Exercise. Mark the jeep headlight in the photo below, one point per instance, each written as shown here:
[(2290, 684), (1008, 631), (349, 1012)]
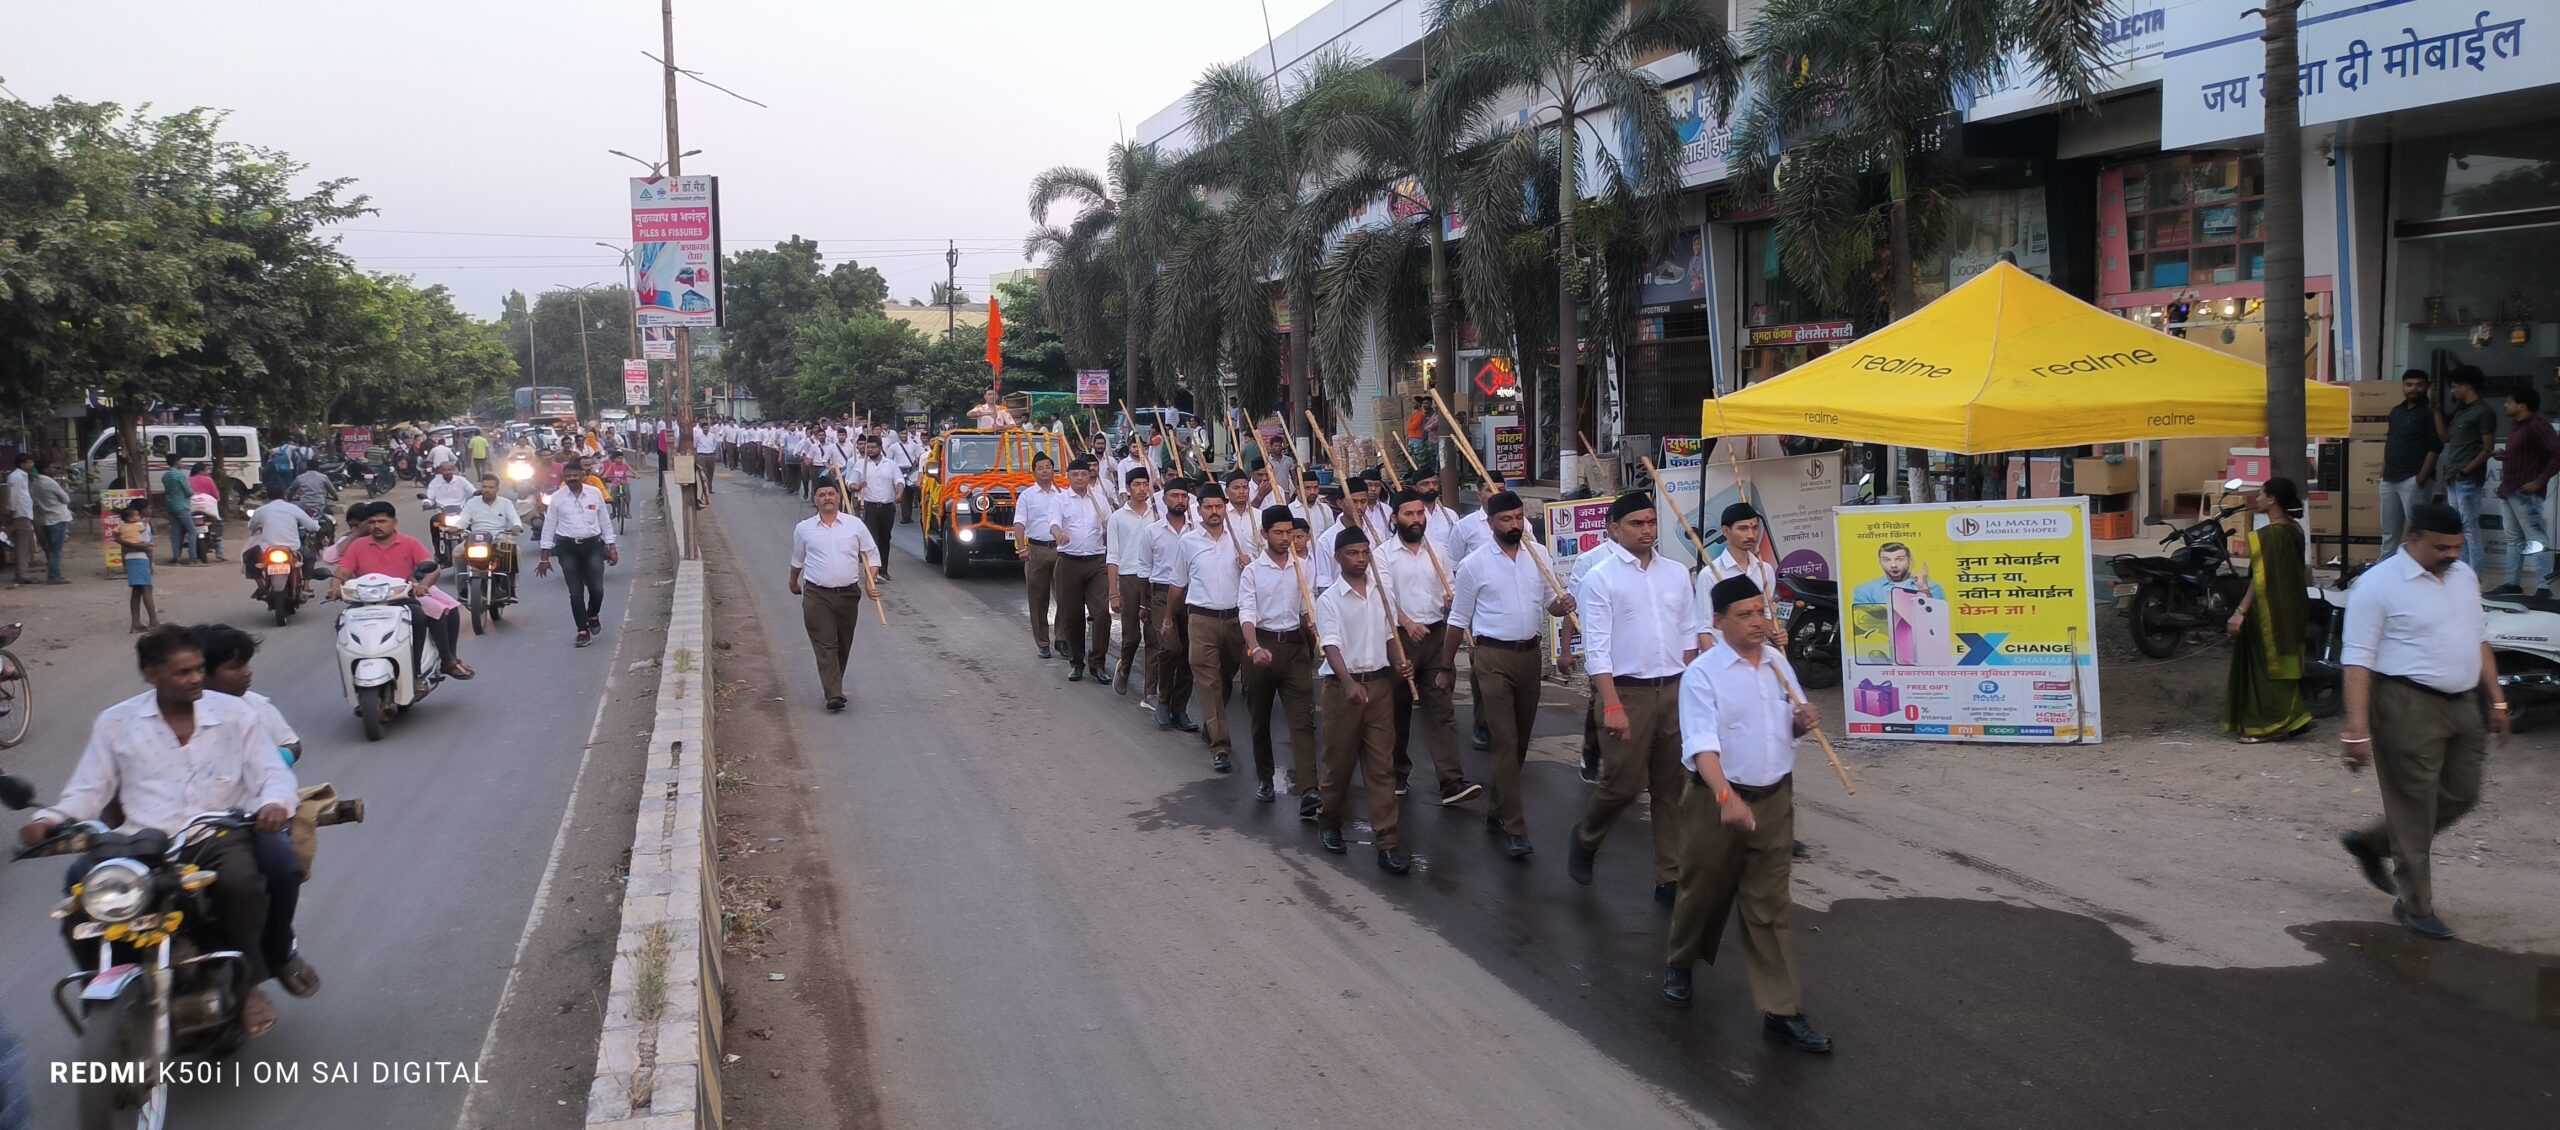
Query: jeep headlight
[(115, 890)]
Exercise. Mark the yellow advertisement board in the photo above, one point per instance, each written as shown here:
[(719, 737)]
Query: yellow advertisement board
[(1969, 621)]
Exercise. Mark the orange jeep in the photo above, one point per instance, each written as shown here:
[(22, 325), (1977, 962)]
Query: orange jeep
[(967, 485)]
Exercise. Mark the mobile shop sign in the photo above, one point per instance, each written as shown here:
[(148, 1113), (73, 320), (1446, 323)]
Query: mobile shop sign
[(1093, 386), (1573, 529), (1794, 495), (675, 251), (657, 343), (1969, 621), (2357, 60), (635, 381)]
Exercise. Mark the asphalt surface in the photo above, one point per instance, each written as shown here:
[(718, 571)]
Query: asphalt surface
[(413, 917), (1057, 915)]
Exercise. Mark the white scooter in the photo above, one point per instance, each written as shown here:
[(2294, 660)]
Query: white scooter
[(374, 660), (2524, 633)]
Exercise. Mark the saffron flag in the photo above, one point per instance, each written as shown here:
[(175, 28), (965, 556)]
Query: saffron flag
[(995, 338)]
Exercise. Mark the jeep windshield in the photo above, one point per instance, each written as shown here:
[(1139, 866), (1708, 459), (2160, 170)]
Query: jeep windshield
[(971, 455)]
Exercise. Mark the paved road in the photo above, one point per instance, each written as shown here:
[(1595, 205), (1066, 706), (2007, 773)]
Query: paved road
[(413, 917), (1058, 916)]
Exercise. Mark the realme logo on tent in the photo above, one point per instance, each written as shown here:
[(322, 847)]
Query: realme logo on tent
[(2173, 420), (1912, 366), (2100, 362)]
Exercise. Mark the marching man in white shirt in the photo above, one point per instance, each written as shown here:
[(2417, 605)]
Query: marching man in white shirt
[(1035, 518), (1738, 729), (706, 458), (874, 480), (1280, 656), (1639, 630), (1502, 598), (1208, 569), (1125, 564), (1418, 593), (1080, 523), (1169, 633), (828, 552), (1743, 529), (1367, 660)]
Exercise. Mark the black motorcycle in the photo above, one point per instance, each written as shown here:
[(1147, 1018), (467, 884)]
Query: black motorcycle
[(280, 581), (2193, 587), (1809, 609)]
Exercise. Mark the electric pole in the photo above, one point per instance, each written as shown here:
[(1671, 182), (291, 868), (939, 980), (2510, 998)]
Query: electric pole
[(951, 290), (682, 394)]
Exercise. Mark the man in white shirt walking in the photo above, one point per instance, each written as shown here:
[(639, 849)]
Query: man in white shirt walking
[(1125, 563), (2417, 667), (706, 459), (579, 527), (22, 515), (1738, 725), (874, 480), (828, 552), (1502, 597), (1208, 569), (1169, 629), (1280, 654), (1418, 594), (1361, 648), (1035, 519), (1639, 631), (1080, 524)]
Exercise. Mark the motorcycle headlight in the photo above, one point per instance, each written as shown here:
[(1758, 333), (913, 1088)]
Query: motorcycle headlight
[(115, 890), (477, 553), (520, 472), (452, 521)]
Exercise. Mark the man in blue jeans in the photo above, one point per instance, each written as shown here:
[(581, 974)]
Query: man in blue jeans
[(2409, 453), (2532, 455), (2468, 434)]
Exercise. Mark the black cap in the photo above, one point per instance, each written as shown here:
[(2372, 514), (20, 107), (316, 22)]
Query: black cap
[(1136, 474), (1732, 590), (1350, 536), (1407, 496), (1277, 516), (1629, 503), (1504, 501)]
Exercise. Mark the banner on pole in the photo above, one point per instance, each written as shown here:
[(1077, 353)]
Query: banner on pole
[(675, 251), (1970, 621), (1093, 386), (635, 381), (657, 343), (1794, 496)]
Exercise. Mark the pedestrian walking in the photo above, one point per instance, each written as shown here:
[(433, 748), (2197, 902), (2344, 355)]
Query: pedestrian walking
[(1080, 524), (1280, 659), (1125, 560), (479, 448), (1035, 520), (2262, 700), (1361, 649), (177, 504), (1739, 719), (829, 551), (1501, 598), (1417, 586), (1639, 631), (873, 480), (2527, 462), (22, 514), (578, 526), (1169, 637), (706, 459), (2418, 669), (1208, 572), (53, 513), (133, 542), (2468, 434)]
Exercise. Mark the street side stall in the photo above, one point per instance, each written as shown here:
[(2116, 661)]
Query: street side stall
[(1976, 621)]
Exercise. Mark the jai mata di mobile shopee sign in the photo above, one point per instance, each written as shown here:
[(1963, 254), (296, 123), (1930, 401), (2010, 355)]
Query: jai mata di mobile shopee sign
[(675, 251)]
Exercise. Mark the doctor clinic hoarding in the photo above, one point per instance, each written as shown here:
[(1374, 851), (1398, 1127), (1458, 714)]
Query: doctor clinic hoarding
[(675, 251), (1969, 621)]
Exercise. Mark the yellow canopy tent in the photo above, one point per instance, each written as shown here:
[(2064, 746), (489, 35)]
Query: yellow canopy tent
[(2008, 363)]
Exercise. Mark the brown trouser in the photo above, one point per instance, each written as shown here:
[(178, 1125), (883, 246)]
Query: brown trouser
[(703, 466), (1361, 736), (1723, 867), (22, 539), (1083, 600), (2428, 753), (791, 474), (1135, 623), (1217, 652), (831, 615), (1040, 572), (1292, 676), (1168, 653), (1509, 681), (1648, 761), (1439, 711)]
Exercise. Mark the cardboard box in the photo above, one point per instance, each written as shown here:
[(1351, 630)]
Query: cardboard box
[(2369, 405), (2250, 465), (2352, 512), (2098, 476)]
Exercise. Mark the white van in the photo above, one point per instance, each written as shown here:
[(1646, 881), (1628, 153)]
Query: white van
[(241, 452)]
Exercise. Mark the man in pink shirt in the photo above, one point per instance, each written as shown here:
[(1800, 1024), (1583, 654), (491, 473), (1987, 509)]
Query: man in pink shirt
[(380, 547)]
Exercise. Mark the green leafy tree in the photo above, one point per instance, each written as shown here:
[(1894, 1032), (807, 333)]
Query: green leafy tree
[(768, 292), (1107, 259)]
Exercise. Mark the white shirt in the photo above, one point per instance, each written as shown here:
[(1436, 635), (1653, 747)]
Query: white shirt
[(1440, 524), (278, 730), (1267, 597), (443, 491), (1129, 543), (1035, 508), (1760, 571), (1638, 620), (1413, 582), (1470, 534), (873, 480), (832, 556), (1209, 569), (22, 500), (1502, 596), (278, 523), (1356, 622), (1321, 565), (576, 515), (441, 455), (500, 517), (134, 757), (1741, 714), (2405, 621), (1081, 518), (1164, 547), (706, 440)]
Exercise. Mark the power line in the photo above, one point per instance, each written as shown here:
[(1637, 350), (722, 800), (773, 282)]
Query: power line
[(1013, 240)]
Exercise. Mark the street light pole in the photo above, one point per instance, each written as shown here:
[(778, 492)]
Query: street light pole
[(683, 392)]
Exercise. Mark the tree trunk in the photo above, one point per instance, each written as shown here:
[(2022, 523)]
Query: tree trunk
[(2286, 332), (1444, 348), (1899, 290), (1129, 342), (1302, 326), (135, 455), (1568, 324)]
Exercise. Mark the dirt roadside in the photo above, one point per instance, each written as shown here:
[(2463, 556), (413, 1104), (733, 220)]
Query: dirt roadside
[(795, 1030)]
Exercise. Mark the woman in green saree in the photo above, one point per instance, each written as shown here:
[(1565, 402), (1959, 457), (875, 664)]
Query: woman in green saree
[(2263, 701)]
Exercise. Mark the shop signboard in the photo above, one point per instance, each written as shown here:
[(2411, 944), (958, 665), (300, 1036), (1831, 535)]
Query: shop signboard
[(1093, 386), (675, 251), (1803, 333), (1511, 451), (1706, 141), (1794, 495), (2133, 35), (657, 343), (1683, 451), (355, 443), (2358, 60), (1679, 278), (1573, 529), (635, 381), (111, 504), (1969, 621)]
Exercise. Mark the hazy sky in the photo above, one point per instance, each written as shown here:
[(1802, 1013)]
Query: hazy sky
[(892, 127)]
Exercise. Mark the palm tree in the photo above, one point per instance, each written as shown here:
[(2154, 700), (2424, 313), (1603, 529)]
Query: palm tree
[(2287, 427), (1105, 259), (1567, 58)]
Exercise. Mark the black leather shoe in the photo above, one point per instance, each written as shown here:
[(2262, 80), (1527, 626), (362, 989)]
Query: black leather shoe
[(1331, 839), (2370, 860), (1577, 858), (1517, 847), (1262, 792), (835, 704), (1394, 861), (1795, 1033), (1666, 893), (1590, 770), (1483, 741), (1310, 806), (1800, 851), (1102, 675), (1493, 824), (1222, 764), (1675, 986), (1044, 651), (2423, 925), (1076, 674), (1404, 783), (1185, 724), (1164, 719)]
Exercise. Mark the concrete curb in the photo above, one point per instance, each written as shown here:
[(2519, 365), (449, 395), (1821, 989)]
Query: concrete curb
[(658, 1059)]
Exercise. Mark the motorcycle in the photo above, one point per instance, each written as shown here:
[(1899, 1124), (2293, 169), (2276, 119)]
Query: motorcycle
[(160, 989), (447, 531), (2324, 624), (519, 483), (280, 581), (1809, 609), (379, 481), (374, 651), (2194, 586), (2524, 635), (481, 585)]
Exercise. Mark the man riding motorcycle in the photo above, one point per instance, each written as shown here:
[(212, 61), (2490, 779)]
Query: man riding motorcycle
[(378, 546), (495, 514), (311, 491), (279, 522), (169, 754)]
